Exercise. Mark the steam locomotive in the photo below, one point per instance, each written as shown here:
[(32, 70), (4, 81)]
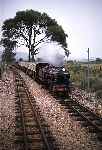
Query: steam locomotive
[(56, 79)]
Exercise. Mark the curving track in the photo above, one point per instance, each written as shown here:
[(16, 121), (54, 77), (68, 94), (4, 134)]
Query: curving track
[(32, 132), (86, 117)]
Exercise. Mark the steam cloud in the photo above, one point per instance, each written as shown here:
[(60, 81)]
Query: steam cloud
[(52, 53)]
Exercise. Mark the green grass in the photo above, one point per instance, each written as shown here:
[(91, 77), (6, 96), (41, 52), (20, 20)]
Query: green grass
[(79, 75)]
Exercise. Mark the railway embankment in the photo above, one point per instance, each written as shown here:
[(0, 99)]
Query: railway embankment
[(88, 100), (7, 111)]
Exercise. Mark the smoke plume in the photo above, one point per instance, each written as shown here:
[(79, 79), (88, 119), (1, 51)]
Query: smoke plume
[(52, 53)]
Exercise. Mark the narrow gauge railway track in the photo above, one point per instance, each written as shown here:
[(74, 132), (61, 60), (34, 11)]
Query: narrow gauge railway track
[(32, 132), (86, 117)]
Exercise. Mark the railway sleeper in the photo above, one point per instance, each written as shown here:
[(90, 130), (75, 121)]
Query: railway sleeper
[(74, 114), (28, 113), (32, 128), (62, 103), (31, 124), (17, 111), (87, 115), (90, 118), (72, 104), (37, 147), (23, 96), (97, 122), (26, 107), (19, 146), (17, 103), (29, 119), (34, 138), (18, 124), (18, 115), (43, 124), (78, 118), (92, 129), (71, 111), (19, 140), (29, 116), (47, 132), (32, 133), (85, 123), (68, 107), (19, 85), (19, 133), (30, 139), (50, 138), (99, 136), (80, 109), (17, 96), (18, 118)]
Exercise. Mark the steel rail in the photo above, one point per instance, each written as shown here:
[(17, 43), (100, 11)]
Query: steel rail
[(23, 122), (37, 118), (35, 115), (91, 118)]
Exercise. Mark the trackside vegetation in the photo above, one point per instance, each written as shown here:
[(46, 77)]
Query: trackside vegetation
[(79, 76)]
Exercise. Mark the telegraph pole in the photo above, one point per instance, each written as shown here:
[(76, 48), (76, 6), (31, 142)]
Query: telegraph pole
[(88, 72)]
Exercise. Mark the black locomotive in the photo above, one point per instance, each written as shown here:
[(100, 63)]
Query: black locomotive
[(56, 79)]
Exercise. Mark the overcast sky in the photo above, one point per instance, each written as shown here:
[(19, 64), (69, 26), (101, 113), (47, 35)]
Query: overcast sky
[(81, 20)]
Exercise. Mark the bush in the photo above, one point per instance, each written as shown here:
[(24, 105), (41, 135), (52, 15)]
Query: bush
[(97, 85), (99, 94)]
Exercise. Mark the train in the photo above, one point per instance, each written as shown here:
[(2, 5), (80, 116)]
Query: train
[(56, 79)]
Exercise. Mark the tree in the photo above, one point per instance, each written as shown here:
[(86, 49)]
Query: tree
[(99, 93), (20, 59), (8, 55), (32, 29), (98, 60)]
